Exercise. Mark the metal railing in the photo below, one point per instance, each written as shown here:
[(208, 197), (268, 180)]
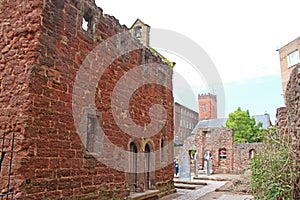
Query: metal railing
[(6, 158)]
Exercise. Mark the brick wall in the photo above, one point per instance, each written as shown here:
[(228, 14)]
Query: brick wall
[(43, 46), (207, 104), (281, 119), (19, 34), (292, 111), (214, 140), (286, 70), (243, 153)]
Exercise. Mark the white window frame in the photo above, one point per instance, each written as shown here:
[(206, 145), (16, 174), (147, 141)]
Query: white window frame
[(293, 58)]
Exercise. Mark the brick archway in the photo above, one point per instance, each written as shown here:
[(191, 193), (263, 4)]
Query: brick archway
[(133, 163), (149, 163)]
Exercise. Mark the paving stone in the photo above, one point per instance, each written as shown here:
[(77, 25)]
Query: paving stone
[(194, 195), (236, 197)]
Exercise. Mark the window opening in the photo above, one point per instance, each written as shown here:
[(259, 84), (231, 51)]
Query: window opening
[(138, 32), (223, 154)]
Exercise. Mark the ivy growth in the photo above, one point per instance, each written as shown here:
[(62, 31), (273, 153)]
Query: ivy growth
[(274, 171)]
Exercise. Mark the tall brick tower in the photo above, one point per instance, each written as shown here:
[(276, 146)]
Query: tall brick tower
[(207, 104)]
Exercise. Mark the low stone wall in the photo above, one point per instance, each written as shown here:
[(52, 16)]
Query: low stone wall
[(243, 153)]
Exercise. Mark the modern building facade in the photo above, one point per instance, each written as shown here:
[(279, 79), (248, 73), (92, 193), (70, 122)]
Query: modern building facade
[(289, 56), (185, 121)]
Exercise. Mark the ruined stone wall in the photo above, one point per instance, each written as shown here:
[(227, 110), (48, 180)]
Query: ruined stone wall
[(293, 112), (19, 34), (214, 140), (281, 119), (243, 155), (43, 47)]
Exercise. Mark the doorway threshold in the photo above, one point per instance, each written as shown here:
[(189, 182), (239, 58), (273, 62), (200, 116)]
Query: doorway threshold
[(147, 194)]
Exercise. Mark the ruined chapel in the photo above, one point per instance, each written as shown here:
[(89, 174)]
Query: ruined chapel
[(73, 123)]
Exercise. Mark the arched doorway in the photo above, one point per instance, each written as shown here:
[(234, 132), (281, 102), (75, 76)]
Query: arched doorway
[(252, 153), (147, 164), (132, 178)]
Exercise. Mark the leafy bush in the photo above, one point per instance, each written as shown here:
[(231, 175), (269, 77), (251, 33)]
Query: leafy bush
[(274, 174)]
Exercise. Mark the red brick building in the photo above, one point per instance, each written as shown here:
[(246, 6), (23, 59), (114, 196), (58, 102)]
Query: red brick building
[(43, 47), (227, 156), (207, 104)]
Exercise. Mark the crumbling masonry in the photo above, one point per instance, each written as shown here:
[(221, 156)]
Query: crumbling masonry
[(43, 45), (288, 117)]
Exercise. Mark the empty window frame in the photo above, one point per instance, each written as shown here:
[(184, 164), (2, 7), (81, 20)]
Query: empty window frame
[(293, 58)]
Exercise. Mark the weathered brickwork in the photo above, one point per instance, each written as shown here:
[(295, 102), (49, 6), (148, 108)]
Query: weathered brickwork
[(243, 153), (281, 119), (214, 140), (293, 111), (227, 156), (207, 105), (285, 64), (42, 47)]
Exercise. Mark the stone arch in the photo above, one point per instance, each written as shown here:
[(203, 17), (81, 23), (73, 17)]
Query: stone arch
[(252, 153), (164, 150), (133, 164), (147, 141), (149, 164), (138, 143)]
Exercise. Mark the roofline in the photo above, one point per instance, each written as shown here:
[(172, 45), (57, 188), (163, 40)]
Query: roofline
[(186, 107), (279, 49), (140, 21)]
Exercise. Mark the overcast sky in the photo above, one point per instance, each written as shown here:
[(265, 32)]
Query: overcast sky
[(240, 37)]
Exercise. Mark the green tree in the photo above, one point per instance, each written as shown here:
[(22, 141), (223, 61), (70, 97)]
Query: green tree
[(244, 126)]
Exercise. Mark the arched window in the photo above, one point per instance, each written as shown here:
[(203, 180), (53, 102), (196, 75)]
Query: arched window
[(252, 153), (222, 154), (133, 167), (138, 32), (148, 162), (162, 151)]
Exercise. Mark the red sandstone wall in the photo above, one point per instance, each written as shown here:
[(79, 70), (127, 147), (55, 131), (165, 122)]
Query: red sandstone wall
[(242, 156), (213, 140), (43, 46), (292, 111), (19, 33)]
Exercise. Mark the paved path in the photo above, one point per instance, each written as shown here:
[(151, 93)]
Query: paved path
[(194, 195), (235, 197)]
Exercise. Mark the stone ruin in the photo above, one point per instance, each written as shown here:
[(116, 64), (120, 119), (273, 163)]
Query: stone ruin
[(46, 153)]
